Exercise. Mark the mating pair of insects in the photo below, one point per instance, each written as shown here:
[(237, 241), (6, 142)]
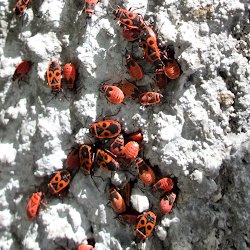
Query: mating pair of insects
[(55, 74)]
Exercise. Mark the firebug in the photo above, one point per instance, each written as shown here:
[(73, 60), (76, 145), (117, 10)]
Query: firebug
[(149, 44), (125, 191), (54, 74), (172, 69), (164, 185), (135, 136), (146, 174), (105, 129), (129, 18), (145, 226), (149, 98), (73, 160), (115, 145), (134, 68), (59, 182), (69, 73), (106, 161), (129, 152), (160, 78), (33, 205), (167, 203), (86, 158), (21, 70), (131, 34), (89, 7), (129, 89), (113, 94), (117, 201), (20, 7), (85, 247)]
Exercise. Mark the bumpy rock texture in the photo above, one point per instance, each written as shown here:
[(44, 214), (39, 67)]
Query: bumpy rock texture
[(200, 134)]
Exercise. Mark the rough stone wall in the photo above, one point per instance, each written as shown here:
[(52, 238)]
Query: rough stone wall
[(200, 134)]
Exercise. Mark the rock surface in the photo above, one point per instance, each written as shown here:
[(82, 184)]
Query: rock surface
[(201, 134)]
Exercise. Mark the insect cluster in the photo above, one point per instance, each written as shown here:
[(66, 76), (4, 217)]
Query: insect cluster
[(162, 56), (56, 76), (116, 94), (134, 28), (113, 150)]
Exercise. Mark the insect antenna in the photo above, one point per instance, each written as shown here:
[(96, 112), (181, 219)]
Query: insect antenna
[(138, 8), (95, 182), (80, 88), (102, 84), (54, 96), (119, 109), (65, 96), (111, 6), (164, 100)]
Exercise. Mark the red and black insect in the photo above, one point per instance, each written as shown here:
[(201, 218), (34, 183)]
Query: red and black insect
[(160, 77), (73, 160), (165, 184), (146, 174), (106, 161), (105, 129), (129, 18), (125, 191), (59, 182), (167, 52), (54, 75), (150, 46), (21, 70), (33, 204), (167, 202), (145, 226), (129, 89), (117, 201), (113, 94), (85, 247), (129, 153), (20, 7), (149, 32), (172, 69), (135, 136), (134, 68), (131, 219), (81, 246), (116, 145), (149, 98), (69, 73), (89, 7), (131, 34), (86, 158)]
